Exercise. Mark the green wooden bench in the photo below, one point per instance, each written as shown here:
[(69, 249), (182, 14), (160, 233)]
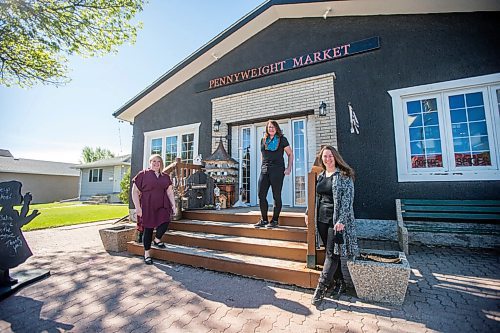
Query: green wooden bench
[(419, 215)]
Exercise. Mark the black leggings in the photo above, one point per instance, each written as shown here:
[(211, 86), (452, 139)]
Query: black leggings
[(148, 235), (332, 268), (274, 179)]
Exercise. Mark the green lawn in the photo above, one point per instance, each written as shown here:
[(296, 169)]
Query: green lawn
[(60, 214)]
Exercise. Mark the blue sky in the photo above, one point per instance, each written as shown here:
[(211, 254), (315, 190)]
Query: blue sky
[(55, 123)]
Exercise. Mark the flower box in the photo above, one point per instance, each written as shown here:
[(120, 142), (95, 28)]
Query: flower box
[(115, 239), (380, 276)]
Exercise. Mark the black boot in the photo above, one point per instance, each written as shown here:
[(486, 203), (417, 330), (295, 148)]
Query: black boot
[(338, 290), (331, 287), (319, 294)]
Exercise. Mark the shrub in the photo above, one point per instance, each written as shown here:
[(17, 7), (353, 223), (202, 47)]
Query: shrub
[(125, 186)]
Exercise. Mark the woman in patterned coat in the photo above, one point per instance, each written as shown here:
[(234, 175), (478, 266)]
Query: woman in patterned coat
[(334, 220)]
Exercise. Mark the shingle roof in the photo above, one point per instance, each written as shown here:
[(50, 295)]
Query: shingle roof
[(37, 167), (119, 160)]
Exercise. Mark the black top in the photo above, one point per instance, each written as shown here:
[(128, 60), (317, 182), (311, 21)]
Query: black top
[(324, 190), (274, 158)]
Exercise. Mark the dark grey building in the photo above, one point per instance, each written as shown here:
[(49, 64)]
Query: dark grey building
[(422, 79)]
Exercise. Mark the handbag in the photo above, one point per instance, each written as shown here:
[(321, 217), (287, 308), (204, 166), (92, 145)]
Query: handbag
[(338, 237)]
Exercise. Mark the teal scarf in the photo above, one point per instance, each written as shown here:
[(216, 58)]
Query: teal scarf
[(273, 144)]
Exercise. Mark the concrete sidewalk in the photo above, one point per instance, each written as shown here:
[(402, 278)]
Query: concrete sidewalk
[(90, 290)]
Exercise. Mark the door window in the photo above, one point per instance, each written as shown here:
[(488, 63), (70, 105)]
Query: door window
[(299, 165)]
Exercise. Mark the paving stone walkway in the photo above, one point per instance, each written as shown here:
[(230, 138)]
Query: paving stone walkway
[(90, 290)]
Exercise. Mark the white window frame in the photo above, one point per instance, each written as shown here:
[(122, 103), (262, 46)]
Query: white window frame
[(173, 131), (91, 175), (488, 85)]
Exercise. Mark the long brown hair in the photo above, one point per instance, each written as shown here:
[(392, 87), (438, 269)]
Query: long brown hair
[(279, 132), (345, 169)]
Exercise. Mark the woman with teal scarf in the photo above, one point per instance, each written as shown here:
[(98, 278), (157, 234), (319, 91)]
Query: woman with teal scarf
[(273, 171)]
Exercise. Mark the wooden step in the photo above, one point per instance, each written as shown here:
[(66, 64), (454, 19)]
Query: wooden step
[(278, 270), (278, 249), (286, 218), (297, 234)]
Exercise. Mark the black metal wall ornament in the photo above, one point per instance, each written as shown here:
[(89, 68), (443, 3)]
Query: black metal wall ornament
[(14, 249)]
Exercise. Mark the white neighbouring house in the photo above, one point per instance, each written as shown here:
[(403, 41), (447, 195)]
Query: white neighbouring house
[(102, 177)]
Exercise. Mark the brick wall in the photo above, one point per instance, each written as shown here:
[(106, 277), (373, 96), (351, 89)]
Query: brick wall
[(282, 99)]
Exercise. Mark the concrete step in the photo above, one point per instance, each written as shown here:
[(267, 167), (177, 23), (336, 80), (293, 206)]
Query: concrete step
[(96, 200), (297, 234), (278, 249), (286, 218), (277, 270)]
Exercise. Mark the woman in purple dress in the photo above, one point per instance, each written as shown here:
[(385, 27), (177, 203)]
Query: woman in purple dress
[(154, 203)]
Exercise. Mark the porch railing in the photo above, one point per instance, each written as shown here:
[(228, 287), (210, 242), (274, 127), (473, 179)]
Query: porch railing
[(179, 172), (311, 216)]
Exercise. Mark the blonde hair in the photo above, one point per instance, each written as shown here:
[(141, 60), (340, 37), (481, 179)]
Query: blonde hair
[(345, 169), (152, 157)]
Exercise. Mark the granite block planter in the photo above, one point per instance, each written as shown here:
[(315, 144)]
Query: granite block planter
[(379, 281), (115, 239)]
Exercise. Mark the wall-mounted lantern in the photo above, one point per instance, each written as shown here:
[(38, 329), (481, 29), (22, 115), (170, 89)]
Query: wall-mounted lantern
[(322, 109), (217, 125)]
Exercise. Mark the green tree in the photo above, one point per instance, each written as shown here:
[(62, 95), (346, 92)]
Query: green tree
[(125, 187), (37, 36), (95, 154)]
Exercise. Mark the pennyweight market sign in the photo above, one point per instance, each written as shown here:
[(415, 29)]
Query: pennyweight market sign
[(333, 53)]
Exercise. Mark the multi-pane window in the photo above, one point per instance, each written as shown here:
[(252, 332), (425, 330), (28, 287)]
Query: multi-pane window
[(170, 149), (156, 146), (245, 165), (425, 140), (173, 149), (448, 131), (95, 175), (187, 148), (172, 143), (469, 130), (299, 153)]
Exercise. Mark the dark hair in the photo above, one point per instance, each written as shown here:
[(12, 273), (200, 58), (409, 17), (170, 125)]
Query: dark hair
[(345, 169), (279, 133)]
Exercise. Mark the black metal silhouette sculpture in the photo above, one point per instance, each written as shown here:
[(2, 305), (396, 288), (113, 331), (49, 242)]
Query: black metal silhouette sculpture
[(13, 247)]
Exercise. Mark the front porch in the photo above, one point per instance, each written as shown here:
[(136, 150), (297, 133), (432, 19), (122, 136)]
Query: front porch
[(227, 241)]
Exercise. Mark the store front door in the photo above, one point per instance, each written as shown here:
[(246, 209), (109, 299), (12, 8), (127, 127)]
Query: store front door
[(294, 185), (286, 196)]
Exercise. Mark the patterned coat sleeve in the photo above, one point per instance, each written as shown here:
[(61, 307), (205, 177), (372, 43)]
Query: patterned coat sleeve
[(343, 190)]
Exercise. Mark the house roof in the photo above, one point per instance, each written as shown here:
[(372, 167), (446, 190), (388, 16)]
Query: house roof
[(107, 162), (5, 153), (37, 167), (268, 13)]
